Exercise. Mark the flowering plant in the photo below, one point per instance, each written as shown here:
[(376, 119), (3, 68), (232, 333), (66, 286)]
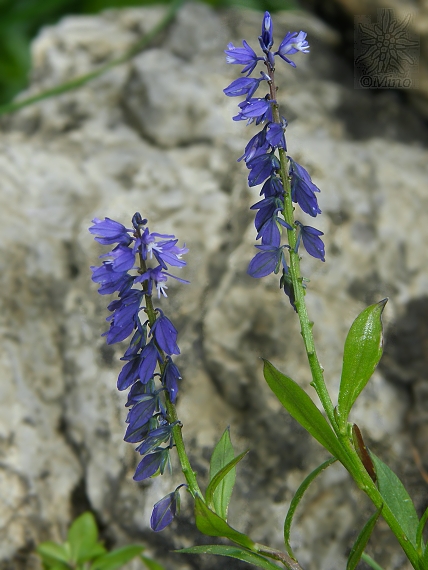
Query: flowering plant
[(137, 268)]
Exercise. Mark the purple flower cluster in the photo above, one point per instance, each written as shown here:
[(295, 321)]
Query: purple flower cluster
[(261, 158), (148, 371)]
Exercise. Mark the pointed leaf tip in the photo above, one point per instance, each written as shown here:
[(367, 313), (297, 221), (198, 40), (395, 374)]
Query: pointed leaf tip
[(362, 352), (362, 540)]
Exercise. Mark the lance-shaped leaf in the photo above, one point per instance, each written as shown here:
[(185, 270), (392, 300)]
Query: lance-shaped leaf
[(397, 499), (361, 542), (232, 552), (296, 500), (223, 453), (362, 352), (224, 491), (211, 524), (299, 405)]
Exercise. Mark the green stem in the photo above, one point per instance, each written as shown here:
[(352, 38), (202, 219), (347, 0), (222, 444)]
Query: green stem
[(306, 325), (83, 79), (299, 293), (288, 562), (188, 472)]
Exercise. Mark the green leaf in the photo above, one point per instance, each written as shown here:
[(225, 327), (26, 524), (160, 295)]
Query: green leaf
[(297, 498), (369, 560), (221, 489), (151, 564), (117, 558), (223, 453), (362, 352), (211, 524), (53, 554), (300, 406), (425, 559), (361, 542), (420, 532), (232, 552), (397, 499), (82, 537)]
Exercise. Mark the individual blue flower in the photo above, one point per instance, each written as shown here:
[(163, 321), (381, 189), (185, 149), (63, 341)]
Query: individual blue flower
[(242, 56), (267, 221), (138, 392), (269, 232), (111, 280), (170, 377), (303, 189), (275, 135), (292, 43), (123, 258), (311, 241), (157, 277), (267, 261), (129, 374), (167, 252), (141, 412), (152, 463), (165, 334), (149, 359), (273, 187), (255, 108), (125, 316), (110, 232), (138, 341), (135, 435), (117, 334), (126, 308), (266, 39), (244, 86), (165, 510), (155, 437), (145, 243), (262, 166), (257, 145)]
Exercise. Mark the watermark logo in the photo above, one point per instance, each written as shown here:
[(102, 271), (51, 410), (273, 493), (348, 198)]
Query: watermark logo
[(386, 52)]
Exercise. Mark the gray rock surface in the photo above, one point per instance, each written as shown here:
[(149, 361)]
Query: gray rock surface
[(155, 135)]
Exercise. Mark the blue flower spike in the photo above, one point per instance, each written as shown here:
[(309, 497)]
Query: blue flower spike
[(137, 269), (262, 160)]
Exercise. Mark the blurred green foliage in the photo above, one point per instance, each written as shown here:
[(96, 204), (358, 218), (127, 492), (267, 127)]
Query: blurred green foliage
[(20, 21)]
